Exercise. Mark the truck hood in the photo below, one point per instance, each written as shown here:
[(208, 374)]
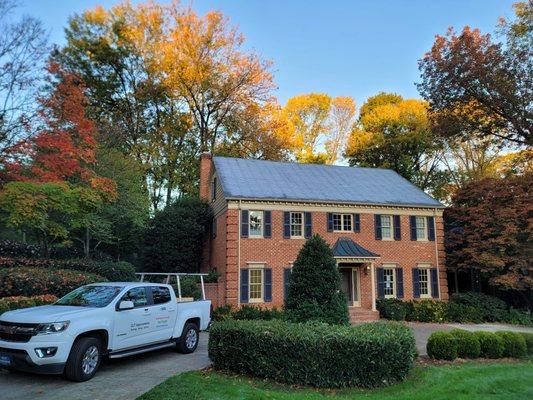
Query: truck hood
[(44, 314)]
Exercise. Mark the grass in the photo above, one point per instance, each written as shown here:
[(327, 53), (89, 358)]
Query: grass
[(502, 380)]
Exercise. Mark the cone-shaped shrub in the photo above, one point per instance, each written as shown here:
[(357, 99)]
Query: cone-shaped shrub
[(315, 286)]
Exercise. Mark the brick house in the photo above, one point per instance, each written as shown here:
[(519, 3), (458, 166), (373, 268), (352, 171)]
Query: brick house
[(386, 234)]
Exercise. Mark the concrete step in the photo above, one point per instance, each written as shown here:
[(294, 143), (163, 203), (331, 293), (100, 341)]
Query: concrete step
[(362, 315)]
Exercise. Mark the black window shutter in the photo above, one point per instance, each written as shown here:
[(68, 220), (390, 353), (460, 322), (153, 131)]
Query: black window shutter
[(416, 283), (267, 224), (244, 223), (214, 228), (244, 285), (286, 224), (357, 223), (377, 225), (431, 228), (434, 283), (267, 284), (397, 228), (412, 227), (399, 283), (381, 283), (214, 189), (286, 280), (330, 222), (308, 225)]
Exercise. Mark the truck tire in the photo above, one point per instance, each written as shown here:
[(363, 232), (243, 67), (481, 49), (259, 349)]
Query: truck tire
[(189, 339), (84, 359)]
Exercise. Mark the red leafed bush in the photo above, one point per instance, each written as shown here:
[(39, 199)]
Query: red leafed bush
[(38, 281), (16, 302)]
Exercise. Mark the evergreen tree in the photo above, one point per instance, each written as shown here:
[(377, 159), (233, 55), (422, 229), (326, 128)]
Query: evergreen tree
[(315, 286)]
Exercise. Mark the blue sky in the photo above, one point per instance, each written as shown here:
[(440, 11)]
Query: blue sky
[(353, 48)]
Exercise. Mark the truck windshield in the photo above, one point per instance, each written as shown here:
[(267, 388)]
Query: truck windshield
[(90, 296)]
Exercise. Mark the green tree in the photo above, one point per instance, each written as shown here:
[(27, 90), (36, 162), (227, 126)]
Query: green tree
[(315, 286), (175, 238), (395, 133)]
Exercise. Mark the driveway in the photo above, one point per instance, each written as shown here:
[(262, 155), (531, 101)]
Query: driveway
[(423, 330), (123, 379)]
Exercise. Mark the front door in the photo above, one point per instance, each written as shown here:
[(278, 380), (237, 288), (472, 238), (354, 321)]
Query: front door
[(350, 285)]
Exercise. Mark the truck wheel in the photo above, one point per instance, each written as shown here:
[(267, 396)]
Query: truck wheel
[(84, 359), (189, 339)]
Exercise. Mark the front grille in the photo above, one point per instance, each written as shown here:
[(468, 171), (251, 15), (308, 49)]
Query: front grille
[(13, 351), (16, 331)]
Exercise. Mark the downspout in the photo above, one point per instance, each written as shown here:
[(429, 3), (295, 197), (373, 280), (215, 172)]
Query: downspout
[(436, 250), (239, 256)]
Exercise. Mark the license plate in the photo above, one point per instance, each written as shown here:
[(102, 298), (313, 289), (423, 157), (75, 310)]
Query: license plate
[(5, 360)]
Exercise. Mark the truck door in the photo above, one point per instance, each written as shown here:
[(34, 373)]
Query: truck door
[(133, 327), (164, 312)]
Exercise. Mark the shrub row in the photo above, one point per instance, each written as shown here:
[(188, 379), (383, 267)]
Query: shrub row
[(458, 309), (16, 302), (246, 313), (464, 344), (314, 354), (113, 271), (38, 281), (11, 248)]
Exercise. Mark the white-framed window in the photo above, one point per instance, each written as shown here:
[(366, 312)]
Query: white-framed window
[(424, 280), (255, 223), (297, 226), (389, 281), (387, 227), (255, 284), (342, 222), (421, 228)]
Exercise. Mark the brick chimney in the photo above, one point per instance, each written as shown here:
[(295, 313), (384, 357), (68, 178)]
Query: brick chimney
[(206, 161)]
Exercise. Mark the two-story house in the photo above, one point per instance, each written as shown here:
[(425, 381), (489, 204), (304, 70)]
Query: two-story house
[(386, 234)]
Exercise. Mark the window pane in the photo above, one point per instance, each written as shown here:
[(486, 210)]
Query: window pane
[(347, 222), (256, 284), (256, 223), (296, 224), (337, 225), (137, 295), (388, 278), (160, 295), (386, 225), (421, 227), (423, 278)]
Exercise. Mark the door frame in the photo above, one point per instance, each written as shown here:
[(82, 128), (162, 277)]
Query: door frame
[(355, 285)]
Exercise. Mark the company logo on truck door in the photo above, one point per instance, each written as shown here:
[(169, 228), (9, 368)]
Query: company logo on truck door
[(139, 326)]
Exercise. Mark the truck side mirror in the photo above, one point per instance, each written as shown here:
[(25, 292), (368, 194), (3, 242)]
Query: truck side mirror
[(125, 305)]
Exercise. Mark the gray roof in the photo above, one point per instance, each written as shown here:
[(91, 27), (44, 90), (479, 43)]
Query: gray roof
[(346, 247), (271, 180)]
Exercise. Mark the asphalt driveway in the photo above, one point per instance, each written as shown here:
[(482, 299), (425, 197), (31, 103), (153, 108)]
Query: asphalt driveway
[(120, 379)]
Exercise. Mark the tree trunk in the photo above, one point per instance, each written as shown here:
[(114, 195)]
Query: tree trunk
[(87, 242)]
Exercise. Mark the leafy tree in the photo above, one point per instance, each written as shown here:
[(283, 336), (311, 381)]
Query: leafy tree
[(476, 87), (315, 286), (47, 210), (488, 229), (23, 47), (175, 237), (395, 133), (342, 117)]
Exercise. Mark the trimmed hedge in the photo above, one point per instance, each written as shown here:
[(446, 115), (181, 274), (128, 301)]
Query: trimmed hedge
[(442, 346), (392, 309), (468, 345), (38, 281), (16, 302), (490, 308), (490, 344), (247, 313), (314, 354), (514, 344), (528, 337), (113, 271)]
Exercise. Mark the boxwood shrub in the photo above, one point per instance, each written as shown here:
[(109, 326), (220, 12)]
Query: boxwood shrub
[(16, 302), (393, 309), (514, 344), (313, 354), (468, 345), (490, 308), (528, 337), (490, 344), (114, 271), (38, 281), (442, 346)]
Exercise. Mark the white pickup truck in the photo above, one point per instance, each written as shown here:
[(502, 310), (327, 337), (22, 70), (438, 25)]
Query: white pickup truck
[(114, 319)]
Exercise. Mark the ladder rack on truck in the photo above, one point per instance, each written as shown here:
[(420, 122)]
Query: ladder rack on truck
[(176, 275)]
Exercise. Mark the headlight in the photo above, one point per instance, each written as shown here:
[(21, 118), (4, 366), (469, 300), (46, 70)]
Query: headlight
[(53, 327)]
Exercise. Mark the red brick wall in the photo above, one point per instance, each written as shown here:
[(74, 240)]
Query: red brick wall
[(205, 176), (278, 253)]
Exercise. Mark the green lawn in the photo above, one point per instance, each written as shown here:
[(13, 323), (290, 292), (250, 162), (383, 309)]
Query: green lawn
[(465, 381)]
